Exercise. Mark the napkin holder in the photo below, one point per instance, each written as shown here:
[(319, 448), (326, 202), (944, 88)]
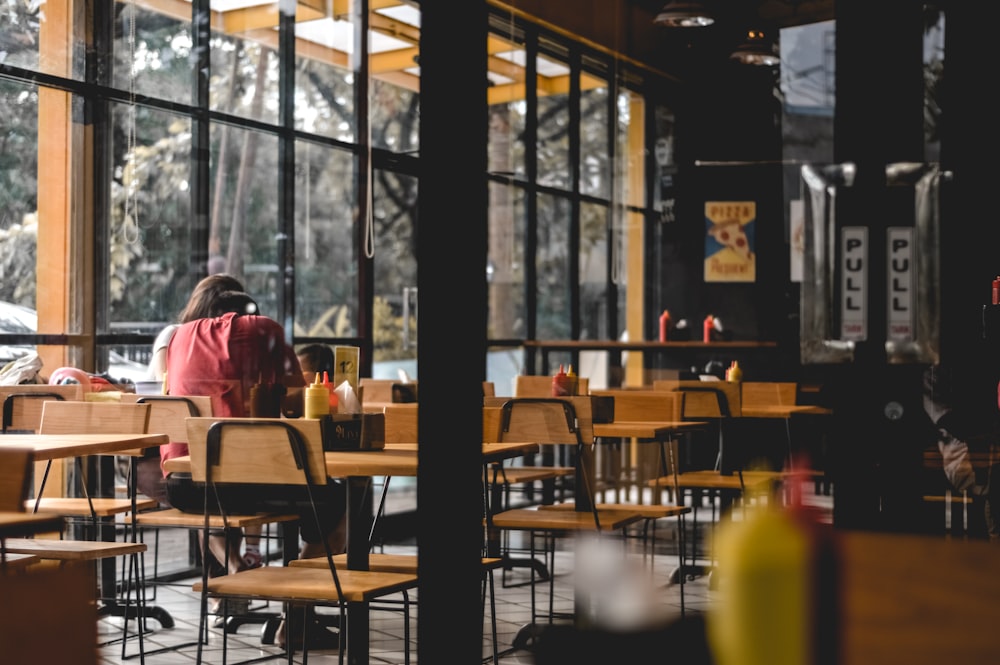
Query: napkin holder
[(353, 431)]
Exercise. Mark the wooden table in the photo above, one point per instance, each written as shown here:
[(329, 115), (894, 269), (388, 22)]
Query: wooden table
[(19, 525), (783, 410), (56, 446), (658, 430)]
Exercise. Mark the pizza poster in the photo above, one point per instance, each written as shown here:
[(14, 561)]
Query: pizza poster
[(729, 241)]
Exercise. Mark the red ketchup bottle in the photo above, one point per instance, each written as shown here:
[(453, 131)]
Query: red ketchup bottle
[(664, 325), (561, 383), (706, 329)]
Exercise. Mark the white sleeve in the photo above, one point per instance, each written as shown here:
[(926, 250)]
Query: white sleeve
[(163, 339)]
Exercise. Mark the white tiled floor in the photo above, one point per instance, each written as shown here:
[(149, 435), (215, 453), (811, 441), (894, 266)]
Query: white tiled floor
[(641, 597), (639, 594)]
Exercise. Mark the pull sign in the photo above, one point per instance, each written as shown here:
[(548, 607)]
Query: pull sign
[(901, 277), (854, 283)]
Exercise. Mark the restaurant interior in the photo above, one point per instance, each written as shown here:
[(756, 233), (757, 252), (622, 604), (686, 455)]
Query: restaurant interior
[(654, 194)]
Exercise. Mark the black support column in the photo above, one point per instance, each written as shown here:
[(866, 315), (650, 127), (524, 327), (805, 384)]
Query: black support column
[(451, 356)]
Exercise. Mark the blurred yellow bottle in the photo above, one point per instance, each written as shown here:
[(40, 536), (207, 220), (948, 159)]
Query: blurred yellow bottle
[(764, 612)]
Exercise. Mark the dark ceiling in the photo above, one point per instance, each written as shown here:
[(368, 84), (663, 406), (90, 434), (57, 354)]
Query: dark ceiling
[(678, 52)]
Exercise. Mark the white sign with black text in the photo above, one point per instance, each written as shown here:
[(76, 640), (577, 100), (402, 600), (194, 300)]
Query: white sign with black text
[(854, 283), (900, 278)]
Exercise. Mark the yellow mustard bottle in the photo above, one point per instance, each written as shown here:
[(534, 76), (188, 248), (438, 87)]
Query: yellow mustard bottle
[(317, 399), (573, 381), (763, 615)]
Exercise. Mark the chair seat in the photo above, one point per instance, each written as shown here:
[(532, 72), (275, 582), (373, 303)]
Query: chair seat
[(309, 584), (527, 519), (646, 511), (751, 481), (382, 562), (80, 507), (176, 518), (527, 474), (72, 550)]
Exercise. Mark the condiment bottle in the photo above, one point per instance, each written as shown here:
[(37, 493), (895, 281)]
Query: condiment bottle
[(996, 290), (317, 400), (706, 328), (734, 373), (560, 383), (664, 325), (573, 381), (334, 401), (764, 610)]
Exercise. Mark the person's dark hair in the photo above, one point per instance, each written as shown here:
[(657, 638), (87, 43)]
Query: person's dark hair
[(206, 293), (316, 358), (237, 302)]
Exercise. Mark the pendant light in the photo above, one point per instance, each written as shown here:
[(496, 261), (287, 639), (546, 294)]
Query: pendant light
[(681, 14), (758, 47)]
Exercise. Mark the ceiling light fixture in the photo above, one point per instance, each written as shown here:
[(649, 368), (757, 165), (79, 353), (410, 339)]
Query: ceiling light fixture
[(680, 14), (757, 48)]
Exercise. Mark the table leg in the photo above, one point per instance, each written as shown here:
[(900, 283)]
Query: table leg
[(360, 505)]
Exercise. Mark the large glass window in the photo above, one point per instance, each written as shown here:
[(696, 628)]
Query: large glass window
[(553, 290), (325, 252), (153, 52), (184, 186), (18, 192), (150, 236), (244, 75), (395, 253), (553, 123), (595, 153)]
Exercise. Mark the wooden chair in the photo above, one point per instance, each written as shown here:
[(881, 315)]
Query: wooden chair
[(168, 414), (651, 406), (22, 412), (727, 481), (67, 417), (552, 421), (261, 452), (374, 394), (524, 473), (22, 405)]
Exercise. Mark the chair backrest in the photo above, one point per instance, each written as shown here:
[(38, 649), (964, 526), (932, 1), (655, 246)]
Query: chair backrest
[(22, 405), (15, 477), (167, 413), (647, 405), (532, 385), (556, 420), (65, 417), (548, 420), (400, 423), (768, 393), (489, 389), (491, 423), (706, 399), (255, 450), (95, 418)]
